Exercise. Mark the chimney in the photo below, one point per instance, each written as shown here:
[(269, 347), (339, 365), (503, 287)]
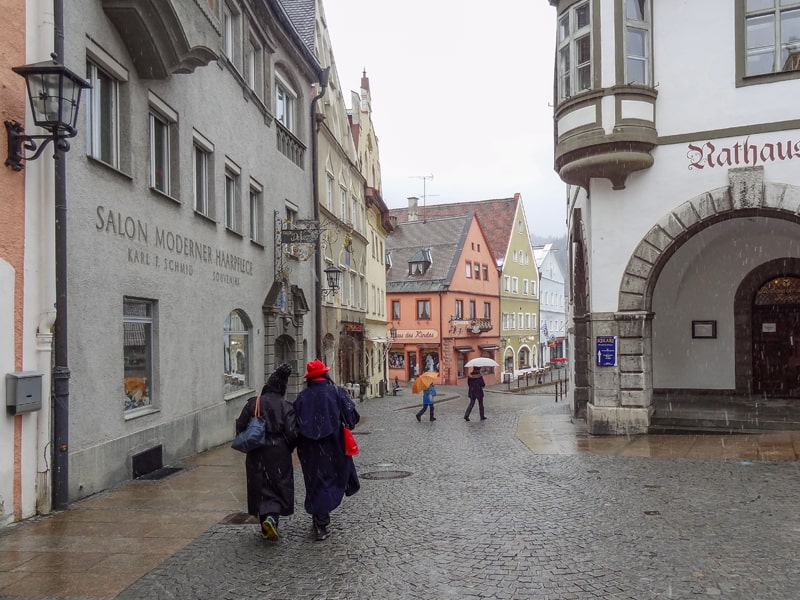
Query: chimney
[(393, 221), (412, 208)]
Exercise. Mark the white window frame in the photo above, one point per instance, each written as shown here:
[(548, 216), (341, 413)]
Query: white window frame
[(638, 23), (232, 33), (575, 34), (256, 211), (139, 323), (203, 168), (514, 285), (240, 329), (103, 122), (285, 104), (233, 209)]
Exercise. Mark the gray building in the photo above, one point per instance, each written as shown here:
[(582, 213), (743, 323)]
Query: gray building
[(194, 151)]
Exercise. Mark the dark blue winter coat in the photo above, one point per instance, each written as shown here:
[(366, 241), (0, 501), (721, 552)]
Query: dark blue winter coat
[(321, 409)]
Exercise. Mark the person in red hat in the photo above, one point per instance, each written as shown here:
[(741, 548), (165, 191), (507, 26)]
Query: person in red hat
[(329, 474)]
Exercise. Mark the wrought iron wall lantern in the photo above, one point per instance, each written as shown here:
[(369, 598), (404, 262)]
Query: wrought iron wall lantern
[(54, 93), (393, 332), (333, 276)]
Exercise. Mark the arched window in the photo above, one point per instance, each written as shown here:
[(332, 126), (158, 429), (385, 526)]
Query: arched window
[(524, 360), (236, 353)]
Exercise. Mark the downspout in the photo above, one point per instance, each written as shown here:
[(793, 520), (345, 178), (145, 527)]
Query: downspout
[(323, 81), (61, 372), (441, 338)]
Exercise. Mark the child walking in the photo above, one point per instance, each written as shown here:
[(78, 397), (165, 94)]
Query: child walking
[(427, 401)]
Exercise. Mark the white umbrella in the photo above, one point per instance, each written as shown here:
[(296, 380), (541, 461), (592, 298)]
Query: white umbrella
[(481, 361)]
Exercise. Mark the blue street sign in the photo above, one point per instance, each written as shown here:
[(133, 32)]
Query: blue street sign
[(606, 351)]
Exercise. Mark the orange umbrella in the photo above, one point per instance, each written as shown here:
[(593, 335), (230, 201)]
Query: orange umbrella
[(424, 381)]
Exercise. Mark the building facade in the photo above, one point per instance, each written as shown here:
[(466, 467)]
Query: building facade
[(552, 306), (506, 228), (441, 311), (183, 295), (684, 194)]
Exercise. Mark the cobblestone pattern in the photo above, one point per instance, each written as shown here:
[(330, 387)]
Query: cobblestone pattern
[(483, 517)]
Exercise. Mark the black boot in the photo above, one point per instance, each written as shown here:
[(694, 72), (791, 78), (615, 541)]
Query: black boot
[(321, 533)]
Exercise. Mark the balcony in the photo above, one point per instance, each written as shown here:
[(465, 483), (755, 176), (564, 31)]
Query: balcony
[(587, 147), (289, 145)]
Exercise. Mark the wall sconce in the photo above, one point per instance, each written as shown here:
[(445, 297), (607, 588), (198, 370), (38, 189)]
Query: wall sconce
[(332, 275), (54, 93), (393, 332), (503, 341)]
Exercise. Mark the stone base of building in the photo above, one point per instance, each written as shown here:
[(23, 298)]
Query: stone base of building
[(618, 420)]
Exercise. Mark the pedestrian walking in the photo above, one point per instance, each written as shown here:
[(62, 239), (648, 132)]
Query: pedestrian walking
[(270, 473), (329, 474), (427, 402), (475, 385)]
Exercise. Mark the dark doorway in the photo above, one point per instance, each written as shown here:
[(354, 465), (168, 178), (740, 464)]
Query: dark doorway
[(776, 338)]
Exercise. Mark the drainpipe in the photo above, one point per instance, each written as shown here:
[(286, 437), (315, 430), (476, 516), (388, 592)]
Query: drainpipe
[(323, 82), (61, 372)]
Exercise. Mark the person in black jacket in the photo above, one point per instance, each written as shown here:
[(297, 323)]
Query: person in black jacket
[(475, 385), (322, 409), (270, 474)]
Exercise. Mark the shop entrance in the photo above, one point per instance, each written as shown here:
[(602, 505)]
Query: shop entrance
[(776, 338)]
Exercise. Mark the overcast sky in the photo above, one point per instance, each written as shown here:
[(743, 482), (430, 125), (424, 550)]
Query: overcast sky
[(461, 90)]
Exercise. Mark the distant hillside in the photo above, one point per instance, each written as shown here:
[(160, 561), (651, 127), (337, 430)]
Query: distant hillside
[(560, 247)]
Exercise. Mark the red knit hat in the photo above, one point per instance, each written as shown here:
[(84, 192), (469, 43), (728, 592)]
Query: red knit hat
[(316, 368)]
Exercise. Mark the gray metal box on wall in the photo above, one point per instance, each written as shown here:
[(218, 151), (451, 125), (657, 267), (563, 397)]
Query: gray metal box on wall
[(23, 392)]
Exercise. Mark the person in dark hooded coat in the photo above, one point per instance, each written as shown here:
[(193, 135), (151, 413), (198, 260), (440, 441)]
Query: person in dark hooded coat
[(329, 474), (270, 473)]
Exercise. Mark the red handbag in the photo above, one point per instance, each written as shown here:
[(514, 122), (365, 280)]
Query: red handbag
[(350, 445)]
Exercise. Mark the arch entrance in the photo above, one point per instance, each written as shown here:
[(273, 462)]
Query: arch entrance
[(776, 338)]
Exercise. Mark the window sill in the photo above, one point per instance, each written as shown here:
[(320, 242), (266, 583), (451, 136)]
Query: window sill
[(108, 166), (239, 393), (140, 412), (160, 194), (205, 217), (257, 244), (233, 232)]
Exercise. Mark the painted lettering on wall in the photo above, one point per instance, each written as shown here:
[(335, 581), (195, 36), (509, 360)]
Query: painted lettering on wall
[(417, 334), (742, 153), (178, 252)]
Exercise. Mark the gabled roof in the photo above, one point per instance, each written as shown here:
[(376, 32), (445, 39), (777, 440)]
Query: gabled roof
[(302, 14), (443, 238), (497, 218)]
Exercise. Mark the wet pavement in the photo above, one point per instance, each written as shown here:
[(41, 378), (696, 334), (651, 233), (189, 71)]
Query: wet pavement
[(523, 505)]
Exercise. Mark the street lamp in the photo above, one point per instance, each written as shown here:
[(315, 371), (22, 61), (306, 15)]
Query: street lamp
[(332, 276), (54, 93)]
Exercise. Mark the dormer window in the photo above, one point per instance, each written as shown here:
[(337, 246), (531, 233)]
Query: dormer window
[(419, 264)]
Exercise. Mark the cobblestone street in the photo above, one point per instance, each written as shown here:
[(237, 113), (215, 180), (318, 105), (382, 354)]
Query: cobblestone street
[(481, 516)]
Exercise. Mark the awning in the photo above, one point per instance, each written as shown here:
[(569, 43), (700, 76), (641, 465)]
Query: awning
[(463, 348), (488, 347)]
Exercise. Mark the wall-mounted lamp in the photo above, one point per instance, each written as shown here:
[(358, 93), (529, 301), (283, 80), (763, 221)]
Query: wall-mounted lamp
[(393, 332), (54, 93), (332, 276), (503, 341)]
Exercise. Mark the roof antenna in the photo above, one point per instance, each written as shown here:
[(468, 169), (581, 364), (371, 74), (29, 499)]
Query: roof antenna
[(424, 180)]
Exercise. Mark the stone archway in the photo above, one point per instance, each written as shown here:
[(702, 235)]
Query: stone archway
[(747, 195)]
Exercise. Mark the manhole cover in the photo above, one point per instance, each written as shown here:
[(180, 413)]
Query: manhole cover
[(386, 474), (239, 518)]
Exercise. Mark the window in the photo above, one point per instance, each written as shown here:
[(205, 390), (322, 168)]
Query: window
[(515, 285), (527, 320), (256, 212), (202, 175), (343, 202), (772, 36), (423, 309), (285, 105), (574, 52), (236, 352), (485, 270), (163, 134), (525, 286), (137, 352), (254, 67), (507, 283), (487, 310), (520, 321), (469, 269), (533, 288), (459, 309), (637, 41), (232, 200), (395, 310), (231, 33), (472, 314), (329, 197), (103, 115), (476, 268), (524, 358)]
